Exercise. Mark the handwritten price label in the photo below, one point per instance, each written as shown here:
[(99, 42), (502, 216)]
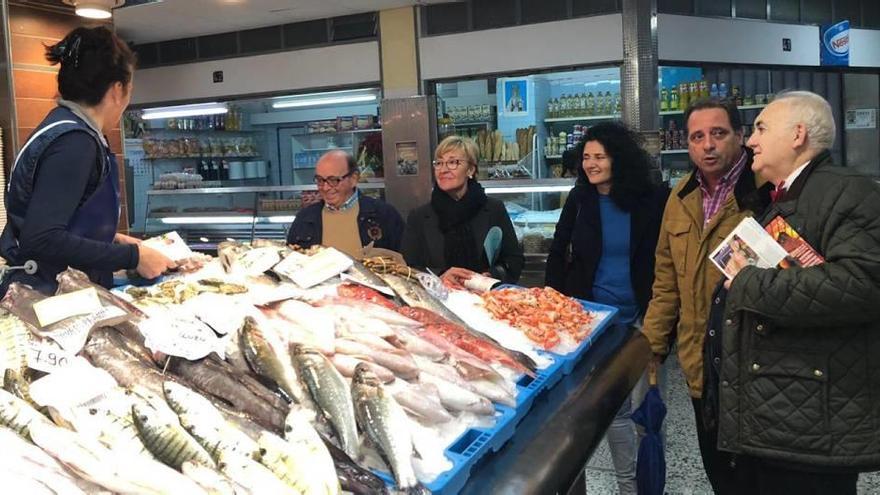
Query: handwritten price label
[(182, 336), (47, 356)]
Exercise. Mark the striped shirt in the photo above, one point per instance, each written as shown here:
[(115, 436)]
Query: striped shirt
[(712, 203)]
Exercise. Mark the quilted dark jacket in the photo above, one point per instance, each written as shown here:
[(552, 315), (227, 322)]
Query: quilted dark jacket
[(800, 371)]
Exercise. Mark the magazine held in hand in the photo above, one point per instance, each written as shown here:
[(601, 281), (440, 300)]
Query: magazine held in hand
[(776, 245)]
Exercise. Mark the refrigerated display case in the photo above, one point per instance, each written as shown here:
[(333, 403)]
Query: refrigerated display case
[(245, 172)]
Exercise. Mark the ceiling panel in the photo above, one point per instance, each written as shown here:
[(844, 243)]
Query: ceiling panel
[(172, 19)]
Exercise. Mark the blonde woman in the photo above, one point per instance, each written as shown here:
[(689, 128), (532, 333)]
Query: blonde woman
[(447, 235)]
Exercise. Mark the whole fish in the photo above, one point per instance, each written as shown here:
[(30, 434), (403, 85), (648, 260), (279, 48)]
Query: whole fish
[(422, 401), (161, 432), (356, 291), (105, 349), (385, 423), (398, 361), (14, 337), (331, 392), (361, 273), (457, 398), (15, 383), (108, 420), (486, 388), (115, 472), (345, 365), (302, 463), (201, 419), (211, 480), (253, 476), (416, 296), (19, 301), (353, 478), (214, 380), (268, 360), (19, 415), (20, 457), (417, 346), (345, 305)]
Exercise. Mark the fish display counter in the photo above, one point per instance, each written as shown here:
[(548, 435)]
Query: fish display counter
[(276, 369)]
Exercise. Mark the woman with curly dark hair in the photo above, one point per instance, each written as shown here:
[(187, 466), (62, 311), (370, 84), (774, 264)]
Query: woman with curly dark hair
[(603, 248)]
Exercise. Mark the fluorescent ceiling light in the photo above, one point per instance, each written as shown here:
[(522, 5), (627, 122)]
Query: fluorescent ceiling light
[(206, 220), (185, 111), (526, 189), (328, 98)]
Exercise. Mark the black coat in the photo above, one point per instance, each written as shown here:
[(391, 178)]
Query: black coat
[(378, 222), (800, 365), (423, 241), (580, 228)]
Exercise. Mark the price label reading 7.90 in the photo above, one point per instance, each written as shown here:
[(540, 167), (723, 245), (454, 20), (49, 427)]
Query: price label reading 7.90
[(47, 356)]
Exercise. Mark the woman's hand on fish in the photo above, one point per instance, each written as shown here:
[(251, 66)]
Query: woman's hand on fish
[(455, 277), (152, 263)]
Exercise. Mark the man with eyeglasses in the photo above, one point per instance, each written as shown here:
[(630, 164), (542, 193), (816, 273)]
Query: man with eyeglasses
[(344, 218)]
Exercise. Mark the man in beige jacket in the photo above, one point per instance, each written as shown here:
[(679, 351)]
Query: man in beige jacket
[(701, 211)]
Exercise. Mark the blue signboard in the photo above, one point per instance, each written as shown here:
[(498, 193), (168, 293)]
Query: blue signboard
[(834, 41)]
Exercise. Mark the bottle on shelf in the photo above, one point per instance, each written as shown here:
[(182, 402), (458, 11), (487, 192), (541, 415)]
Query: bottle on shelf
[(609, 103), (224, 173), (713, 91), (664, 100), (673, 99), (722, 90), (591, 104), (737, 96), (618, 109), (683, 96), (704, 89)]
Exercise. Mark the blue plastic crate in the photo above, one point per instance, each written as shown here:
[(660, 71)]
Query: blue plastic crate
[(475, 443)]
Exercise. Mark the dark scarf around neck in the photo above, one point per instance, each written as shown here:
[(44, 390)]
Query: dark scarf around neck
[(454, 218)]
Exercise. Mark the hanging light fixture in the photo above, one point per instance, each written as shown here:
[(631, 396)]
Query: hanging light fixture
[(95, 9)]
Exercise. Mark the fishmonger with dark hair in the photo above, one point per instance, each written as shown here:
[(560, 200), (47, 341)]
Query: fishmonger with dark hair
[(63, 200)]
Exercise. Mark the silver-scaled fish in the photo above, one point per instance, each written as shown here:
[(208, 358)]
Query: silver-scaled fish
[(331, 392), (167, 440), (266, 359), (385, 422), (206, 423), (18, 415), (302, 462)]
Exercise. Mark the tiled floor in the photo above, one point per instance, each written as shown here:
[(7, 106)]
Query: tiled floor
[(684, 469)]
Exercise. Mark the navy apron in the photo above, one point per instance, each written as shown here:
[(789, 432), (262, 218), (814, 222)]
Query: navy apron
[(97, 218)]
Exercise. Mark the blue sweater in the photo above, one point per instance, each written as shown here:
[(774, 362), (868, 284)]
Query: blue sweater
[(612, 284)]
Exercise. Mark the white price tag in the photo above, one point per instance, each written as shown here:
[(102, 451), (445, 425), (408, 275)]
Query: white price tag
[(72, 333), (258, 260), (171, 245), (47, 356), (80, 384), (309, 271), (182, 336), (56, 308)]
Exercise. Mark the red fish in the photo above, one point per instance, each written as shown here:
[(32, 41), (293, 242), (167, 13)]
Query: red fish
[(355, 291)]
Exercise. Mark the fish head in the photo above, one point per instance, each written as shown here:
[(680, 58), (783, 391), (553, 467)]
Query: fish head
[(363, 375)]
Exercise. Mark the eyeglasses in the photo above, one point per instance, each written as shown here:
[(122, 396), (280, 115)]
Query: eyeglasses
[(331, 181), (450, 164)]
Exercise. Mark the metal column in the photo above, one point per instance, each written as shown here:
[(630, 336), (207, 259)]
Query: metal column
[(638, 86)]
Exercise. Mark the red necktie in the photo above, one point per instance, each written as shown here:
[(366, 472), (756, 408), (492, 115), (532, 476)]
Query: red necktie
[(776, 194)]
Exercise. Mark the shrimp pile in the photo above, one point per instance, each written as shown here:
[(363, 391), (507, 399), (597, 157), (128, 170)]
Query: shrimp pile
[(540, 313)]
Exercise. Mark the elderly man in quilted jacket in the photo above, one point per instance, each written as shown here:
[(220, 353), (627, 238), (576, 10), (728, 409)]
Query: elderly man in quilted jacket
[(799, 379)]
